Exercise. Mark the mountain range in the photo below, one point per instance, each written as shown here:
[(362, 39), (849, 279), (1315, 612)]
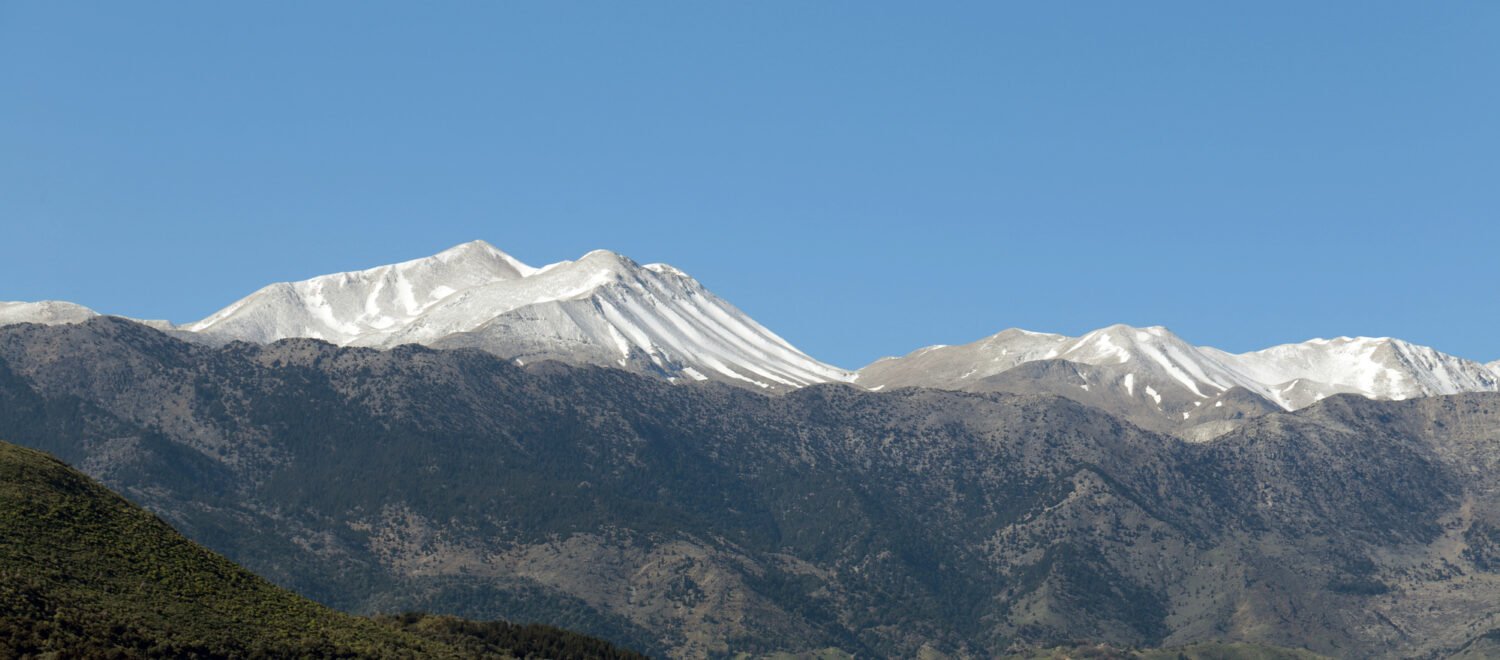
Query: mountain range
[(606, 310), (612, 448), (704, 520), (1157, 380)]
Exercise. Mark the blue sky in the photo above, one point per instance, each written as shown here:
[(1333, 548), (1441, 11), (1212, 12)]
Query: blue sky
[(862, 177)]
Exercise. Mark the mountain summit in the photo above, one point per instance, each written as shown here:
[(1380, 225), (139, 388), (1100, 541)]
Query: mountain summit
[(1159, 368), (45, 312), (601, 309)]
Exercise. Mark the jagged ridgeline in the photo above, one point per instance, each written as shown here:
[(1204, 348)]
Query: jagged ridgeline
[(83, 573)]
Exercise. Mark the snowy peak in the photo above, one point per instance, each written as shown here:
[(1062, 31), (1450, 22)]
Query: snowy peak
[(1157, 353), (46, 312), (1160, 359), (474, 255), (1117, 343), (1378, 367), (344, 307), (1291, 375), (602, 308), (958, 367)]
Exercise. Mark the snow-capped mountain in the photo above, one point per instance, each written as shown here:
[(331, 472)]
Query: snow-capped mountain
[(1147, 375), (1154, 364), (601, 309), (1154, 359), (1379, 368), (607, 310), (46, 312)]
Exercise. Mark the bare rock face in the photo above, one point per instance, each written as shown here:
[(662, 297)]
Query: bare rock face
[(701, 520)]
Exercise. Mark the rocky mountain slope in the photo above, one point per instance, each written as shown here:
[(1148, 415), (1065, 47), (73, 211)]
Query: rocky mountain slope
[(703, 519), (83, 573)]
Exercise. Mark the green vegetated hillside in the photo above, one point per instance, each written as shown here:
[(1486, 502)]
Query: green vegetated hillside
[(83, 573), (708, 521)]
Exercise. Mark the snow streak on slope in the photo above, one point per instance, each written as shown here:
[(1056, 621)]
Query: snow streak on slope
[(46, 312), (360, 306), (1293, 376), (601, 309), (1154, 352)]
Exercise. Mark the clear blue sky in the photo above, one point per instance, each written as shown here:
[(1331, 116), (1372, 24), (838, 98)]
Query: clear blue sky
[(862, 177)]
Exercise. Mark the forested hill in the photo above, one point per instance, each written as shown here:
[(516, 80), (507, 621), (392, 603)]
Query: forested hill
[(83, 573)]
